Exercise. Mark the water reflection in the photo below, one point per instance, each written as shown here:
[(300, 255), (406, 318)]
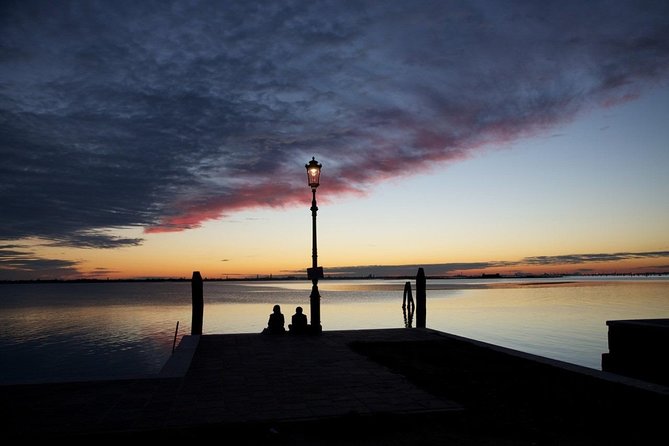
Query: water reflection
[(66, 330), (408, 305)]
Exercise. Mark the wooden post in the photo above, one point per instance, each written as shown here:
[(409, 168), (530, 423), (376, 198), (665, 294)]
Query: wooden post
[(420, 299), (198, 304)]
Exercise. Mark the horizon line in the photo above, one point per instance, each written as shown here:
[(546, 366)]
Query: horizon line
[(269, 277)]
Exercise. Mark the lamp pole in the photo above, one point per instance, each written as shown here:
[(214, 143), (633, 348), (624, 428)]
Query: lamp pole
[(314, 273)]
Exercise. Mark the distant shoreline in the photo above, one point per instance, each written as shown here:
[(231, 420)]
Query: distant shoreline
[(271, 278)]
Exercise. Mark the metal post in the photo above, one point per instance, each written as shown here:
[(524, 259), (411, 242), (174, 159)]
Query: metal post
[(314, 298), (176, 332)]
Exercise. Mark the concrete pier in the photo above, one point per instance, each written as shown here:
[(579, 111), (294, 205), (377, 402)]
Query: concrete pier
[(638, 348), (387, 386)]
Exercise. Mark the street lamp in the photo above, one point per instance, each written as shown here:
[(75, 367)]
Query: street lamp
[(315, 272)]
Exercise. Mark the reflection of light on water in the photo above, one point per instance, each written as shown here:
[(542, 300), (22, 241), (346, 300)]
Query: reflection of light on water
[(561, 322), (66, 331), (60, 343), (564, 320)]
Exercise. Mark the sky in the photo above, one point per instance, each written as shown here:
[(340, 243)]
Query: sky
[(153, 139)]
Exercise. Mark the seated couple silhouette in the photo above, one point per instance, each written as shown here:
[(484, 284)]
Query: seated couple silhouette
[(276, 323)]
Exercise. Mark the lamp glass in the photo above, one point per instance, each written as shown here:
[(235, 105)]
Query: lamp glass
[(313, 173)]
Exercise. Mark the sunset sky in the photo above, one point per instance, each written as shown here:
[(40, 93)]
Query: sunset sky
[(153, 139)]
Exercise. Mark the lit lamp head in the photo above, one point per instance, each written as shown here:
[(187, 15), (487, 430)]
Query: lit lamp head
[(313, 172)]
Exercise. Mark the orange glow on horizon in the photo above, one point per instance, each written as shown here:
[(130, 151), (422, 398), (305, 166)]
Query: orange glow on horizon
[(267, 270)]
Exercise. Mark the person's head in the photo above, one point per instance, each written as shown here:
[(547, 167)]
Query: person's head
[(298, 310), (277, 309)]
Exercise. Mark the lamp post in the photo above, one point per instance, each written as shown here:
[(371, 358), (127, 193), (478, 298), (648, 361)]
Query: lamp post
[(315, 272)]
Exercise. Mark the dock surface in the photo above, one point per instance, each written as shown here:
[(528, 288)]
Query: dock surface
[(230, 379), (400, 384)]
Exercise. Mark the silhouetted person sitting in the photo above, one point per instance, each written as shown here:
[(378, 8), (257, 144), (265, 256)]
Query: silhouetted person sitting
[(276, 322), (299, 322)]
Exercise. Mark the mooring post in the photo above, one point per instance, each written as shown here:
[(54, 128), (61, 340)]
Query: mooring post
[(198, 304), (420, 299)]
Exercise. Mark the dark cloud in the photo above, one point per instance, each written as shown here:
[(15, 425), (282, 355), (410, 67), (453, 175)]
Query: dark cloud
[(161, 115), (21, 263), (18, 263), (94, 239), (653, 268), (444, 269), (588, 258), (434, 269)]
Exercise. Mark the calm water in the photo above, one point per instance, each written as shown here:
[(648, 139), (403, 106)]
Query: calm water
[(68, 331)]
